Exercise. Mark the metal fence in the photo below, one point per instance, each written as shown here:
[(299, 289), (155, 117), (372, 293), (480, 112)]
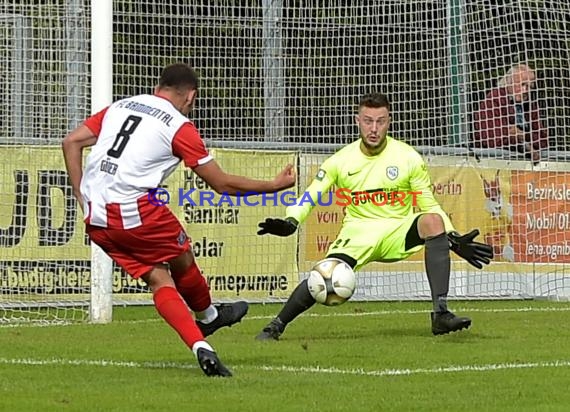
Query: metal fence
[(288, 74)]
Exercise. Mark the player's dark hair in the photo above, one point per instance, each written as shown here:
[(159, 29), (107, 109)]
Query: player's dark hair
[(178, 75), (374, 100)]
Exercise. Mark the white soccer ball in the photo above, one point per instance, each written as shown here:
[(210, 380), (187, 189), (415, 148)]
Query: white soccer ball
[(331, 282)]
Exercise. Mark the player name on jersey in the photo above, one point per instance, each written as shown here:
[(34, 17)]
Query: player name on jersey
[(108, 167)]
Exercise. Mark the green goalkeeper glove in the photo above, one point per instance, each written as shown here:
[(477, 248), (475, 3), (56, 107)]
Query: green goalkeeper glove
[(278, 227), (475, 253)]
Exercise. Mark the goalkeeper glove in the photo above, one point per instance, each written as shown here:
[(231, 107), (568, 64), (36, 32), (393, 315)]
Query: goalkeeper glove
[(473, 252), (278, 227)]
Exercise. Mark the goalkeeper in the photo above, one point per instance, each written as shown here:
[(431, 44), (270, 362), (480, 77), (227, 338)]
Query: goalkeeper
[(378, 165)]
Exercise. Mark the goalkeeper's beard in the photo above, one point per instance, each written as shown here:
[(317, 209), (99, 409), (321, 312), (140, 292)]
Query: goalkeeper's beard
[(374, 147)]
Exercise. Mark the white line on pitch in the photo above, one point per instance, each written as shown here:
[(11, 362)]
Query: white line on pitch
[(389, 312), (418, 311), (438, 370), (323, 315), (293, 369)]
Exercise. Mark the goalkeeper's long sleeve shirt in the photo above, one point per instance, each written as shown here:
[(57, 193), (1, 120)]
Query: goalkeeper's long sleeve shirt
[(386, 186)]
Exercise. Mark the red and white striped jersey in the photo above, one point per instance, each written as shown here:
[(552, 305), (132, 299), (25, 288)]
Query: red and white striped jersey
[(141, 140)]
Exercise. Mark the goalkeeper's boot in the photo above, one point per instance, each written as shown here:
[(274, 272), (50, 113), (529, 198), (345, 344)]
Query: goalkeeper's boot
[(210, 364), (445, 322), (273, 330), (228, 314)]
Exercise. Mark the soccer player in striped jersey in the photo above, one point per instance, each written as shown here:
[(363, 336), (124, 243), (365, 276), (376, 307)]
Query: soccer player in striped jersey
[(136, 143), (375, 169)]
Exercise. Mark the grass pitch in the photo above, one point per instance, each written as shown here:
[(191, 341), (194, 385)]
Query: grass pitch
[(357, 357)]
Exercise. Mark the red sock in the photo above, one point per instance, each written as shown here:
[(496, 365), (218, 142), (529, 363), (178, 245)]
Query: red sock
[(193, 288), (175, 312)]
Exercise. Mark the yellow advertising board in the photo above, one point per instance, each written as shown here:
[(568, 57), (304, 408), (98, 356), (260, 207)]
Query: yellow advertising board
[(43, 246), (477, 198), (524, 215), (39, 218)]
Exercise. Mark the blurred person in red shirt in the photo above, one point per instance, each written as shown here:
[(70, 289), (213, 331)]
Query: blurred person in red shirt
[(508, 117)]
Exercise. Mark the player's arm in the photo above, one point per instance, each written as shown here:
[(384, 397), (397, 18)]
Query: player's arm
[(318, 187), (72, 147), (188, 145), (230, 184), (297, 213), (73, 144)]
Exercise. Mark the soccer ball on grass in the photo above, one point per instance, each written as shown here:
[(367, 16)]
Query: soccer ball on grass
[(331, 282)]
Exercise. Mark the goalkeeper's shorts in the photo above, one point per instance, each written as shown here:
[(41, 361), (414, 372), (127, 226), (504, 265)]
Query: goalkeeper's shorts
[(379, 240)]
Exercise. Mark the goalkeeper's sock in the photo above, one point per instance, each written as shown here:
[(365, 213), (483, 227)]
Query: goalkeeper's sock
[(194, 289), (438, 266), (175, 312), (299, 301)]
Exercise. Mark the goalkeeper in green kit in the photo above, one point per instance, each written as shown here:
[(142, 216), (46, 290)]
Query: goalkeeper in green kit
[(380, 224)]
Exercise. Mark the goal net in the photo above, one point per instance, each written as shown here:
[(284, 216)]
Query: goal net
[(44, 90), (280, 82)]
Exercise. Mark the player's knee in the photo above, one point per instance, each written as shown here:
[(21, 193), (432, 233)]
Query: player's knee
[(180, 264), (345, 258), (430, 224), (157, 278)]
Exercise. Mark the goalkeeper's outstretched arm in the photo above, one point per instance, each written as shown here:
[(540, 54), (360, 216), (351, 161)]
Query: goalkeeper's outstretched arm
[(297, 213), (308, 200)]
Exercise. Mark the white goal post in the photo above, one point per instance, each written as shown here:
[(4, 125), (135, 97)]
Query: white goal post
[(279, 82), (101, 303)]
